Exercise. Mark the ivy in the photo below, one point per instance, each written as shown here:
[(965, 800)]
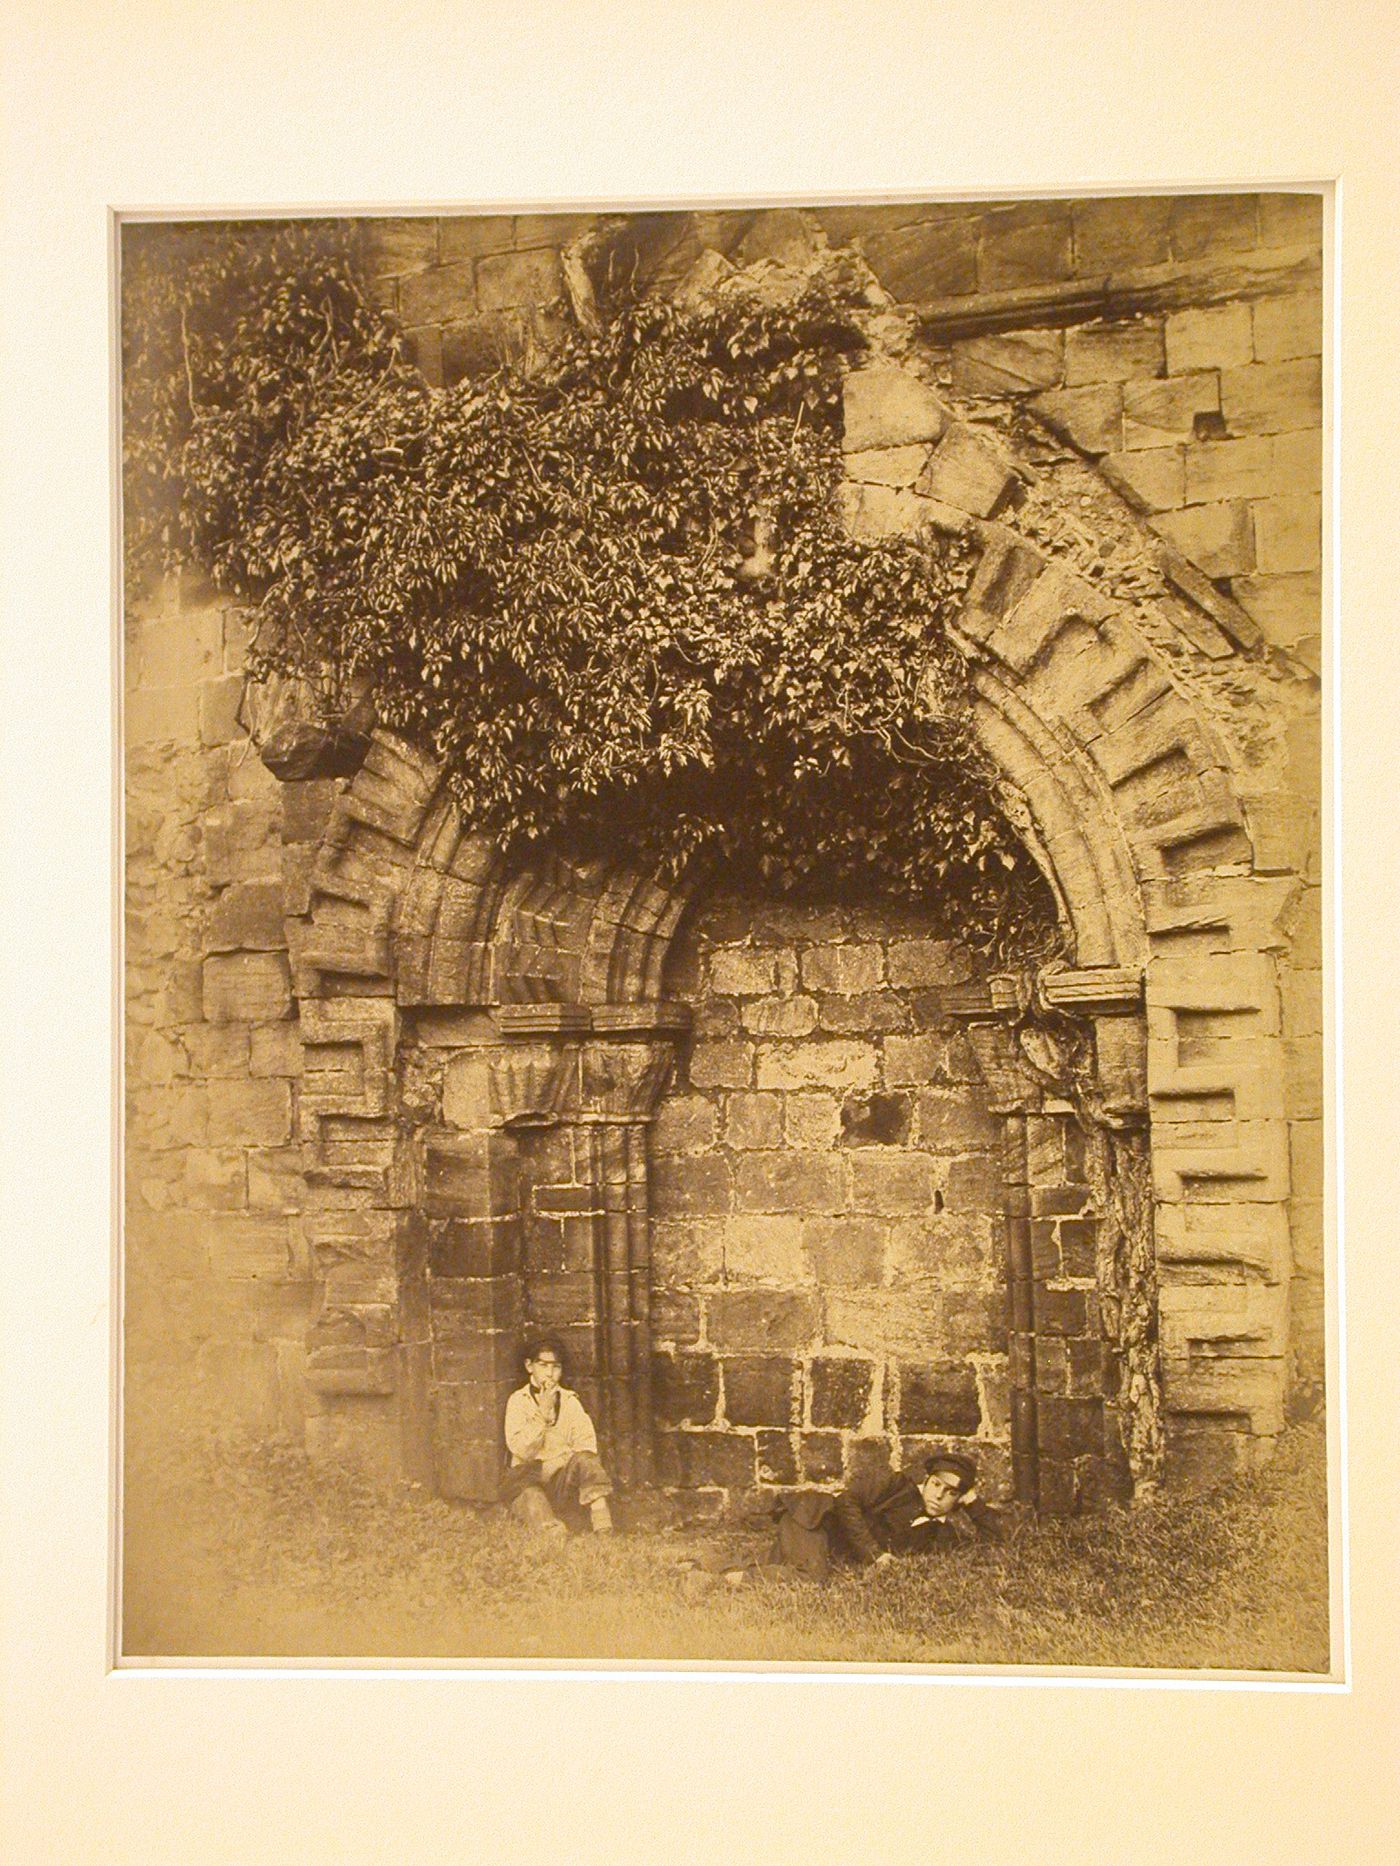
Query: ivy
[(610, 592)]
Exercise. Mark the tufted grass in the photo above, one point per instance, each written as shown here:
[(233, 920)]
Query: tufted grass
[(235, 1549)]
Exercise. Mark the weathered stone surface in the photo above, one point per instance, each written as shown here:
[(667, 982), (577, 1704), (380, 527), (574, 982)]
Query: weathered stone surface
[(1290, 220), (723, 1065), (836, 1063), (772, 1321), (875, 1120), (840, 1389), (1218, 538), (1151, 481), (439, 295), (777, 1462), (1114, 352), (887, 466), (1206, 224), (785, 1182), (968, 473), (1209, 337), (1288, 609), (1120, 234), (249, 1114), (1288, 535), (685, 1388), (247, 917), (765, 1248), (1012, 363), (753, 1120), (935, 260), (1270, 398), (527, 278), (250, 987), (844, 1252), (473, 236), (693, 1185), (891, 1182), (758, 1389), (842, 968), (940, 1397), (1029, 244), (1090, 418), (685, 1124), (1160, 412), (780, 1017), (739, 972), (885, 406)]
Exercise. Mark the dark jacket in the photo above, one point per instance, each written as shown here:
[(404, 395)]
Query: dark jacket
[(877, 1513)]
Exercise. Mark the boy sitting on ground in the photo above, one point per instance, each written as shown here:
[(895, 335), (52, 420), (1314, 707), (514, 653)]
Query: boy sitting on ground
[(555, 1471)]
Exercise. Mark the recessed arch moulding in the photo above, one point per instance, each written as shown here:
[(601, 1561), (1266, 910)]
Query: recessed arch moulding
[(485, 1049)]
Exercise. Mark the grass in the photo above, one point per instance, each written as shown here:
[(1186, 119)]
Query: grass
[(236, 1549)]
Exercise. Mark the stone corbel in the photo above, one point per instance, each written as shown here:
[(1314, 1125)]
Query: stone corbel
[(579, 1062), (1110, 997)]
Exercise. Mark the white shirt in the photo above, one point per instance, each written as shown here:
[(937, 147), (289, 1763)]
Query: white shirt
[(529, 1435)]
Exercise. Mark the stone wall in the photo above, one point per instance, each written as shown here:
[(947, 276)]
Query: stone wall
[(1151, 364), (828, 1273), (218, 1276)]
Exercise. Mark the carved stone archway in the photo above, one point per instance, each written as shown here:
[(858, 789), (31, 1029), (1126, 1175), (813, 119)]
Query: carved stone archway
[(524, 1197)]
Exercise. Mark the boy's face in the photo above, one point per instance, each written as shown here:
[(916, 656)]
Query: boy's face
[(940, 1491), (545, 1372)]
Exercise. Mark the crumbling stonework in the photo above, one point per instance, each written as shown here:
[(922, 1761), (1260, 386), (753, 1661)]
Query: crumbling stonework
[(386, 1104)]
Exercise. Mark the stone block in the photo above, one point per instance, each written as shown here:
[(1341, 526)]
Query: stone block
[(780, 1017), (216, 1179), (1078, 1239), (244, 1247), (871, 512), (685, 1388), (967, 473), (241, 843), (691, 1185), (1288, 327), (925, 962), (758, 1389), (891, 1183), (1209, 337), (1290, 220), (745, 972), (721, 1064), (753, 1120), (675, 1316), (885, 406), (219, 701), (875, 1120), (783, 1182), (1115, 352), (950, 1122), (162, 715), (914, 1062), (844, 1252), (1242, 469), (811, 1120), (846, 968), (861, 1013), (887, 466), (762, 1320), (1157, 413), (777, 1461), (1029, 244), (822, 1457), (1011, 363), (438, 296), (473, 236), (532, 278), (1272, 398), (839, 1064), (943, 1249), (217, 1049), (1217, 538), (1151, 481), (1288, 535), (723, 1459), (839, 1389), (939, 1397), (247, 917), (916, 264), (1070, 1428), (181, 650), (275, 1180), (765, 1248), (685, 1124), (1121, 234), (252, 988), (1288, 609), (399, 243), (1204, 225), (1090, 418), (249, 1114)]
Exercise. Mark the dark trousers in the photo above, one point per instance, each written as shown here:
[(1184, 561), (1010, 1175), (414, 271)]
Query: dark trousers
[(562, 1496), (806, 1547)]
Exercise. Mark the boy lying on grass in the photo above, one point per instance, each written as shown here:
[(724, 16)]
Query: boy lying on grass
[(932, 1505)]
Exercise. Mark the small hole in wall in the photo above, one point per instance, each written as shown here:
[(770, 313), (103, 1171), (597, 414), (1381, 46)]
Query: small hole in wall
[(938, 1201)]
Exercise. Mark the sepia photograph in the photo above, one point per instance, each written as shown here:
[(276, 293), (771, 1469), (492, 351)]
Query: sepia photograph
[(723, 894)]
